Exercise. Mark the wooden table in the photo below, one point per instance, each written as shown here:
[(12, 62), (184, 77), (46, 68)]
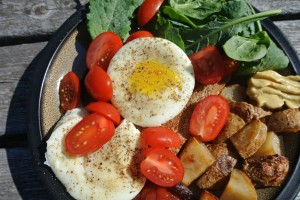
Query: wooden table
[(25, 28)]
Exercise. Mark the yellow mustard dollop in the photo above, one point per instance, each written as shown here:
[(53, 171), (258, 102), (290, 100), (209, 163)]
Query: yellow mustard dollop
[(272, 90)]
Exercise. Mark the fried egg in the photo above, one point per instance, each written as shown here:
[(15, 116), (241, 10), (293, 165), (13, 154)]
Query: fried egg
[(152, 81), (112, 172)]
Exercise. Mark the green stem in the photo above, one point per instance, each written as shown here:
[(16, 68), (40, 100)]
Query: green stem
[(249, 19)]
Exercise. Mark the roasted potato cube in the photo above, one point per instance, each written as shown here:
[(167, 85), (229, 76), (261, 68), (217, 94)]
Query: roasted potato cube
[(233, 124), (239, 187), (270, 147), (267, 170), (218, 149), (196, 159), (205, 195), (234, 93), (215, 176), (284, 121), (249, 139)]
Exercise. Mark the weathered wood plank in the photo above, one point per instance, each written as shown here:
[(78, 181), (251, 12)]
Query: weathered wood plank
[(19, 178), (30, 18), (15, 85), (291, 30), (287, 6), (38, 19)]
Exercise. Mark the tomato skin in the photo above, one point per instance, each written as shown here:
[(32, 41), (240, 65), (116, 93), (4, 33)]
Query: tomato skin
[(102, 49), (230, 66), (69, 91), (208, 65), (160, 137), (147, 11), (98, 84), (138, 34), (163, 193), (168, 169), (209, 117), (105, 109), (90, 134), (154, 192)]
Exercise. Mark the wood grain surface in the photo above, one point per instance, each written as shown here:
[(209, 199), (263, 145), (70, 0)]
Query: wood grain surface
[(25, 28)]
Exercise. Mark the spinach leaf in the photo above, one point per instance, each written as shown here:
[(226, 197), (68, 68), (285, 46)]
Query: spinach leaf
[(112, 15), (247, 49), (197, 9), (275, 59), (177, 16), (230, 27)]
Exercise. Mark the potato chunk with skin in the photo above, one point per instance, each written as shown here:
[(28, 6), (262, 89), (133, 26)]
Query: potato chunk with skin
[(270, 147), (234, 93), (239, 187), (233, 124), (250, 138), (284, 121), (196, 159), (215, 176)]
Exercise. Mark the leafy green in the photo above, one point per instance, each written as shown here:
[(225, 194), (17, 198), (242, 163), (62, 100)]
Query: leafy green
[(112, 15), (228, 28), (197, 9), (275, 59), (167, 31), (247, 49), (215, 32), (177, 16)]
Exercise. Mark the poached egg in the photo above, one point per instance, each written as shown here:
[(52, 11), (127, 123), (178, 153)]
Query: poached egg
[(152, 80), (112, 172)]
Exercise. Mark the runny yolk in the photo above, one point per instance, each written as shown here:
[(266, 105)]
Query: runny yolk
[(152, 77)]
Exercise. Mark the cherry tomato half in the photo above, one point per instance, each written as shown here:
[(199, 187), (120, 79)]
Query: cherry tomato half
[(138, 34), (69, 91), (154, 192), (160, 137), (162, 167), (209, 117), (98, 84), (147, 10), (105, 109), (208, 65), (90, 134), (102, 49)]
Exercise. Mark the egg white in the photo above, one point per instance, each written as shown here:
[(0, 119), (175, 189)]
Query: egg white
[(112, 172), (142, 109)]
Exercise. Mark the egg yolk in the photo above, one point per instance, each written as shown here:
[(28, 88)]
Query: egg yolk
[(152, 77)]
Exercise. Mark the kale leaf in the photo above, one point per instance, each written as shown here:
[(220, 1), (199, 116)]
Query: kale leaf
[(112, 15)]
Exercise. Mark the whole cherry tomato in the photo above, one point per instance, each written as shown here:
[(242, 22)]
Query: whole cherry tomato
[(160, 137), (105, 109), (208, 65), (102, 49), (147, 11), (138, 34), (98, 84)]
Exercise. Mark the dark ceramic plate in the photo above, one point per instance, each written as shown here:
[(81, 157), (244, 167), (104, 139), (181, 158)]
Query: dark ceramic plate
[(66, 51)]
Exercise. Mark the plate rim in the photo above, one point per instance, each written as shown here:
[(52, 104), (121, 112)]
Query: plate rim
[(42, 63)]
